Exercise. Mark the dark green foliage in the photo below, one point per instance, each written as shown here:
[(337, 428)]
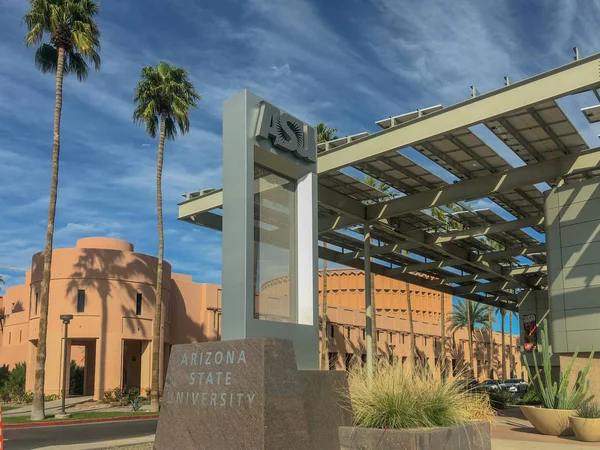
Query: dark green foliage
[(76, 379), (531, 397), (16, 378), (500, 399), (4, 372)]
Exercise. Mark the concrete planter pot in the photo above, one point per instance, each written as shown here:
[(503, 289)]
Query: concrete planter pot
[(473, 436), (587, 430), (553, 422)]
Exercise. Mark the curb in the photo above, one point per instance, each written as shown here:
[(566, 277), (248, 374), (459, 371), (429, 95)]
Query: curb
[(78, 421)]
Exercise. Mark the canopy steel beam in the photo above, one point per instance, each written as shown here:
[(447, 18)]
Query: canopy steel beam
[(489, 185), (542, 268), (487, 229), (574, 77), (494, 256), (424, 266)]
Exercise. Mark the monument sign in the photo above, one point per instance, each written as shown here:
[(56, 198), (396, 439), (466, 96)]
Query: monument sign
[(246, 392)]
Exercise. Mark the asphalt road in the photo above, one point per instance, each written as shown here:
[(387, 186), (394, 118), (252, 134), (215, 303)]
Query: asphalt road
[(32, 438)]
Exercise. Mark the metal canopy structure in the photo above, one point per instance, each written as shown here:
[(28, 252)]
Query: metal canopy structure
[(423, 231)]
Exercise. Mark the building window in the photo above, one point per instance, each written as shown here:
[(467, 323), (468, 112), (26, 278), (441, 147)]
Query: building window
[(363, 359), (80, 301), (138, 304), (20, 336), (391, 337), (349, 357), (364, 331), (332, 360), (9, 336), (37, 302), (403, 339), (348, 332), (331, 330)]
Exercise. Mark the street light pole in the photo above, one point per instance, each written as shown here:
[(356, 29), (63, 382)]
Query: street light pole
[(66, 319)]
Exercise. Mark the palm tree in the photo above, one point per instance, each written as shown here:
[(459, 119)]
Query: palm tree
[(324, 134), (163, 97), (443, 330), (491, 342), (503, 315), (469, 315), (382, 187), (411, 327), (510, 355), (74, 41)]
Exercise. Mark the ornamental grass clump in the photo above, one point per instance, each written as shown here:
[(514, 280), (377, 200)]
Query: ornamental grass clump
[(412, 397), (589, 410)]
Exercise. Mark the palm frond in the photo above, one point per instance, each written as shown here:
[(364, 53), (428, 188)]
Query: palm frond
[(46, 58), (164, 92)]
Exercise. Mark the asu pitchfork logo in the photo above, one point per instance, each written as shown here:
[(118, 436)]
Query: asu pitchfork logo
[(286, 132)]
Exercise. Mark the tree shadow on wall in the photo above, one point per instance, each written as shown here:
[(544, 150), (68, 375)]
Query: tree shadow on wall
[(193, 331), (95, 271)]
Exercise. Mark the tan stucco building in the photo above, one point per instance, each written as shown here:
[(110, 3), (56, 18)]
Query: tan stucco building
[(110, 291)]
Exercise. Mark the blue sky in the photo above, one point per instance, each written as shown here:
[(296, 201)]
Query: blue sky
[(348, 63)]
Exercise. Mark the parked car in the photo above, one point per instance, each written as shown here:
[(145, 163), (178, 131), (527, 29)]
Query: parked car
[(519, 384), (493, 385), (468, 385)]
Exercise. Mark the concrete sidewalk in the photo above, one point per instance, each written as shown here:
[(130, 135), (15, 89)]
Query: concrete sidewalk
[(142, 442), (52, 407), (512, 431)]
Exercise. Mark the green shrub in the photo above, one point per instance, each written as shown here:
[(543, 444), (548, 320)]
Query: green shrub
[(4, 372), (530, 398), (76, 377), (132, 394), (553, 395), (136, 403), (500, 399), (16, 378), (412, 397), (589, 410)]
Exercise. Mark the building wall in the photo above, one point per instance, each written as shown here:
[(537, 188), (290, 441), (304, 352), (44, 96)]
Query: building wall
[(112, 275), (573, 251), (14, 337), (114, 343)]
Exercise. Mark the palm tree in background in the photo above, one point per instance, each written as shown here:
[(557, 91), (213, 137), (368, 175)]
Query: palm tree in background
[(510, 355), (324, 134), (386, 189), (503, 316), (163, 97), (74, 41), (469, 315)]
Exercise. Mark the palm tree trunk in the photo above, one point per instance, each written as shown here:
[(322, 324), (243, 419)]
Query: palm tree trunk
[(470, 335), (491, 339), (37, 408), (157, 325), (324, 335), (410, 325), (443, 331), (503, 313), (510, 355), (374, 341)]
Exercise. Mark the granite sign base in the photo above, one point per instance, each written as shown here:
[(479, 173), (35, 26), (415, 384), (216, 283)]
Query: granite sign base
[(471, 436), (248, 395)]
